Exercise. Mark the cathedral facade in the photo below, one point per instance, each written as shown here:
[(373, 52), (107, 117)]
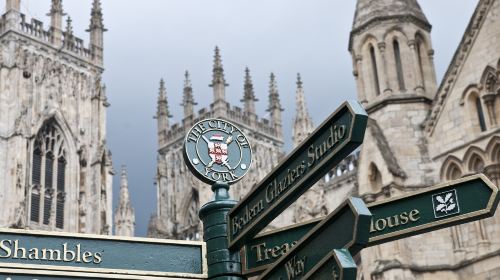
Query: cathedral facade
[(420, 132), (55, 167)]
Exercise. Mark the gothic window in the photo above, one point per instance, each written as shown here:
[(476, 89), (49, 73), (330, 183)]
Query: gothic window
[(480, 114), (399, 65), (48, 177), (453, 172), (376, 84), (420, 51), (375, 178), (476, 164)]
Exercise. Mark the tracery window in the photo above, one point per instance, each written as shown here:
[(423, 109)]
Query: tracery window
[(48, 178)]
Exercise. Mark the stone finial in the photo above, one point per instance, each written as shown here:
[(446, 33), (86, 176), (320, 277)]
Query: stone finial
[(124, 214), (69, 27), (275, 108), (56, 8), (248, 93), (69, 38), (56, 14), (218, 70), (188, 99), (218, 80), (162, 112), (274, 98), (96, 19), (303, 124)]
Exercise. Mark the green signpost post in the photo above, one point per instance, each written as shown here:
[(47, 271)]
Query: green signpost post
[(346, 227), (337, 266), (68, 256), (455, 202), (341, 133)]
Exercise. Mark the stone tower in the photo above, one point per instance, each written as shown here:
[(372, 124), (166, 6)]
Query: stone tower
[(55, 167), (180, 194), (391, 48), (124, 213)]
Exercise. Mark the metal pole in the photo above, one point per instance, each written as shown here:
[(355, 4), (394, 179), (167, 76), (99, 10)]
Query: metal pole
[(222, 263)]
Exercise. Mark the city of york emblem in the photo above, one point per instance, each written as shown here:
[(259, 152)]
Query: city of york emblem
[(217, 151)]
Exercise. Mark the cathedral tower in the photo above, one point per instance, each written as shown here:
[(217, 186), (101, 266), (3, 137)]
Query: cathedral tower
[(180, 194), (55, 167), (393, 65)]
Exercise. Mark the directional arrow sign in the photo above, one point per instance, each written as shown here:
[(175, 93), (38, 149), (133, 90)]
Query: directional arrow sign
[(472, 198), (48, 255), (346, 227), (331, 142), (456, 202), (338, 266)]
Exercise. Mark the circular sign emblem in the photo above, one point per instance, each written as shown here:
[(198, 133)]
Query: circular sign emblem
[(217, 151)]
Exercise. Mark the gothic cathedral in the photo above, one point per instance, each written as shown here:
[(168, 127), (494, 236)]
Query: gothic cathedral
[(56, 171), (420, 132)]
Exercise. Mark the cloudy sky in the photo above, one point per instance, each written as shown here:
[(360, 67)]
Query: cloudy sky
[(152, 39)]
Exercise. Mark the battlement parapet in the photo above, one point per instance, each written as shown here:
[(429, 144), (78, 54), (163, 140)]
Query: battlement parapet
[(233, 114)]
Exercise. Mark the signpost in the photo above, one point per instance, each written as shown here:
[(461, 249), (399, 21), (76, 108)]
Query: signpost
[(346, 227), (455, 202), (338, 266), (334, 139), (40, 254)]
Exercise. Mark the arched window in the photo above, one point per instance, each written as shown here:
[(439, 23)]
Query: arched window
[(476, 163), (399, 65), (420, 48), (375, 178), (376, 84), (480, 114), (48, 177), (453, 172)]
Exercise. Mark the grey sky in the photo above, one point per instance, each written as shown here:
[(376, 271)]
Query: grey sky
[(150, 39)]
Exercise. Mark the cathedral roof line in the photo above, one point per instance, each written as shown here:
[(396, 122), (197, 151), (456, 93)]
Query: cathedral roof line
[(457, 63), (54, 36)]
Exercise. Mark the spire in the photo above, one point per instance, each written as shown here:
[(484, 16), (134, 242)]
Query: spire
[(275, 108), (369, 10), (248, 93), (56, 14), (69, 38), (96, 30), (162, 112), (69, 27), (188, 99), (124, 214), (303, 124), (218, 81), (96, 20)]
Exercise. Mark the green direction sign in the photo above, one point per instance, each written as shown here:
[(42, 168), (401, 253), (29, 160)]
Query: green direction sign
[(346, 227), (472, 198), (332, 141), (456, 202), (98, 257), (337, 266)]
